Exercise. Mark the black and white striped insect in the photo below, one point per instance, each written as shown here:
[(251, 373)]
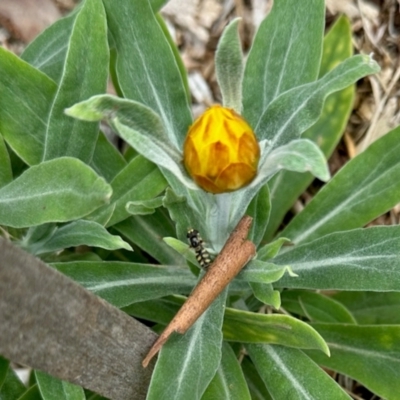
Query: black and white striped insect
[(196, 243)]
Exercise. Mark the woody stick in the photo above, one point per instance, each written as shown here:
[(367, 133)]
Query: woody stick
[(233, 257)]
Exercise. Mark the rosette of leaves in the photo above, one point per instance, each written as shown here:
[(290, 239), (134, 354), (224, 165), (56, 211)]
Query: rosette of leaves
[(64, 185)]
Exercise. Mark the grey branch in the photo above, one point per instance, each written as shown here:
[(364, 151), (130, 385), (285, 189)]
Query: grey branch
[(50, 323)]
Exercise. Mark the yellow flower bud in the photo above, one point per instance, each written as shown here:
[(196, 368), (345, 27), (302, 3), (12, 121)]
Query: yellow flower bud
[(221, 152)]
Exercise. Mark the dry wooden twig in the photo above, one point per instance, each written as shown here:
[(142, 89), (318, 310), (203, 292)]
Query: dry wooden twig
[(234, 256)]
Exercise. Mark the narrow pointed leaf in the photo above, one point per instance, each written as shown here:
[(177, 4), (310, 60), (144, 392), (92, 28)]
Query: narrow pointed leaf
[(33, 393), (372, 307), (175, 51), (290, 374), (228, 383), (156, 81), (144, 207), (28, 92), (256, 385), (147, 232), (259, 209), (3, 370), (182, 248), (82, 232), (360, 259), (263, 272), (249, 327), (12, 387), (229, 67), (287, 186), (6, 175), (286, 53), (316, 306), (36, 236), (160, 310), (187, 363), (54, 389), (184, 215), (368, 354), (48, 51), (122, 283), (59, 190), (299, 155), (85, 74), (337, 45), (139, 126), (296, 110), (270, 250), (363, 189), (139, 180), (265, 293)]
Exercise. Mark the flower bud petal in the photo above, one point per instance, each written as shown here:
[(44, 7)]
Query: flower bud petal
[(221, 152)]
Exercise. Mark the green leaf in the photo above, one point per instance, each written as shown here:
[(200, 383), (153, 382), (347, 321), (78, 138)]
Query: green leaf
[(176, 53), (294, 111), (3, 370), (33, 393), (143, 48), (249, 327), (229, 67), (107, 161), (147, 232), (12, 387), (79, 233), (36, 236), (182, 248), (256, 385), (144, 207), (290, 374), (287, 186), (316, 307), (59, 190), (368, 354), (372, 307), (361, 259), (54, 389), (122, 283), (270, 250), (159, 310), (139, 126), (263, 272), (327, 131), (259, 209), (363, 189), (85, 74), (228, 383), (6, 175), (286, 53), (299, 155), (48, 51), (26, 92), (187, 363), (139, 180), (73, 257), (337, 45), (185, 215), (266, 294)]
